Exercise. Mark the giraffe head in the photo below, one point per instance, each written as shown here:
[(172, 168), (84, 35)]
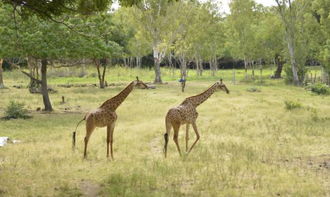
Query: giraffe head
[(222, 86), (139, 84)]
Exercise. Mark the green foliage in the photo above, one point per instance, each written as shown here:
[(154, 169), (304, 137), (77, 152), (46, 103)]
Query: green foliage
[(302, 70), (16, 110), (50, 9), (319, 88), (290, 105)]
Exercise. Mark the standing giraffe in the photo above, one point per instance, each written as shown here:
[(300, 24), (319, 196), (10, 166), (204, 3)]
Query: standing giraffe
[(186, 113), (106, 115)]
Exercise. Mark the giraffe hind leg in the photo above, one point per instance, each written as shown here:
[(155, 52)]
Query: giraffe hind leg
[(176, 128), (187, 136), (89, 130), (167, 134)]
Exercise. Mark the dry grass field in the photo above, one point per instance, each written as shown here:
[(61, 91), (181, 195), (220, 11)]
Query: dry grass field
[(251, 144)]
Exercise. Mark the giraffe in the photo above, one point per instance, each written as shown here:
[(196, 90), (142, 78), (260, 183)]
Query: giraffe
[(106, 115), (186, 113)]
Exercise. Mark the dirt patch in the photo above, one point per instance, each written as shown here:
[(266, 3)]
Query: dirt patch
[(89, 188), (321, 162)]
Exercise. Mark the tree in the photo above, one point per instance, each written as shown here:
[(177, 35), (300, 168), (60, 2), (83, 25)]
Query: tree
[(291, 15), (150, 18), (135, 44), (241, 21), (98, 42), (7, 38), (182, 17), (50, 9), (1, 77), (44, 41), (320, 11), (269, 34)]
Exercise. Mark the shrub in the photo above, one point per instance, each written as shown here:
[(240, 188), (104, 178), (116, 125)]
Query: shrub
[(301, 71), (320, 88), (16, 110), (290, 105)]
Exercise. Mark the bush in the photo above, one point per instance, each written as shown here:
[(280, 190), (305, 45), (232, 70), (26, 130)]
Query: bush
[(290, 105), (16, 110), (319, 88), (289, 75)]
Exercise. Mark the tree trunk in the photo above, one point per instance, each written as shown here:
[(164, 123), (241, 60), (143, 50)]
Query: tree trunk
[(252, 66), (212, 67), (245, 67), (183, 67), (293, 60), (103, 74), (44, 87), (289, 21), (1, 76), (199, 67), (131, 62), (138, 62), (234, 76), (34, 86), (125, 63), (279, 66), (157, 59), (261, 69), (101, 77)]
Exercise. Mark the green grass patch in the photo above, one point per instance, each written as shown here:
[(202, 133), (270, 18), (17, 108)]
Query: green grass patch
[(290, 105)]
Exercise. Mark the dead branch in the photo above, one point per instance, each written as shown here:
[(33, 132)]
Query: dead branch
[(34, 79)]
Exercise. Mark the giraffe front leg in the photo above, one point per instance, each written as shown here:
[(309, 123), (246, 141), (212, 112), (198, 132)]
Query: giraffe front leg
[(197, 136), (187, 136)]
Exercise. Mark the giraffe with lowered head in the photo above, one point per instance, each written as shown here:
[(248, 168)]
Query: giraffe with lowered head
[(186, 113), (105, 116)]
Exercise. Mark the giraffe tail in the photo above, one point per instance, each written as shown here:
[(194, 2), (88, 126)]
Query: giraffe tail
[(166, 135), (74, 134)]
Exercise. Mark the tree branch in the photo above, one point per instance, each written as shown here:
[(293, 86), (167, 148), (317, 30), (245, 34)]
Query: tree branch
[(31, 77)]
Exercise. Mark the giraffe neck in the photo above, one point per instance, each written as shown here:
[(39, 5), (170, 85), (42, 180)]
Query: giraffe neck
[(113, 103), (200, 98)]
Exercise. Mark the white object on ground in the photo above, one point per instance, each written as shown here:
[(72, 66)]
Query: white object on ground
[(16, 141), (3, 141)]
